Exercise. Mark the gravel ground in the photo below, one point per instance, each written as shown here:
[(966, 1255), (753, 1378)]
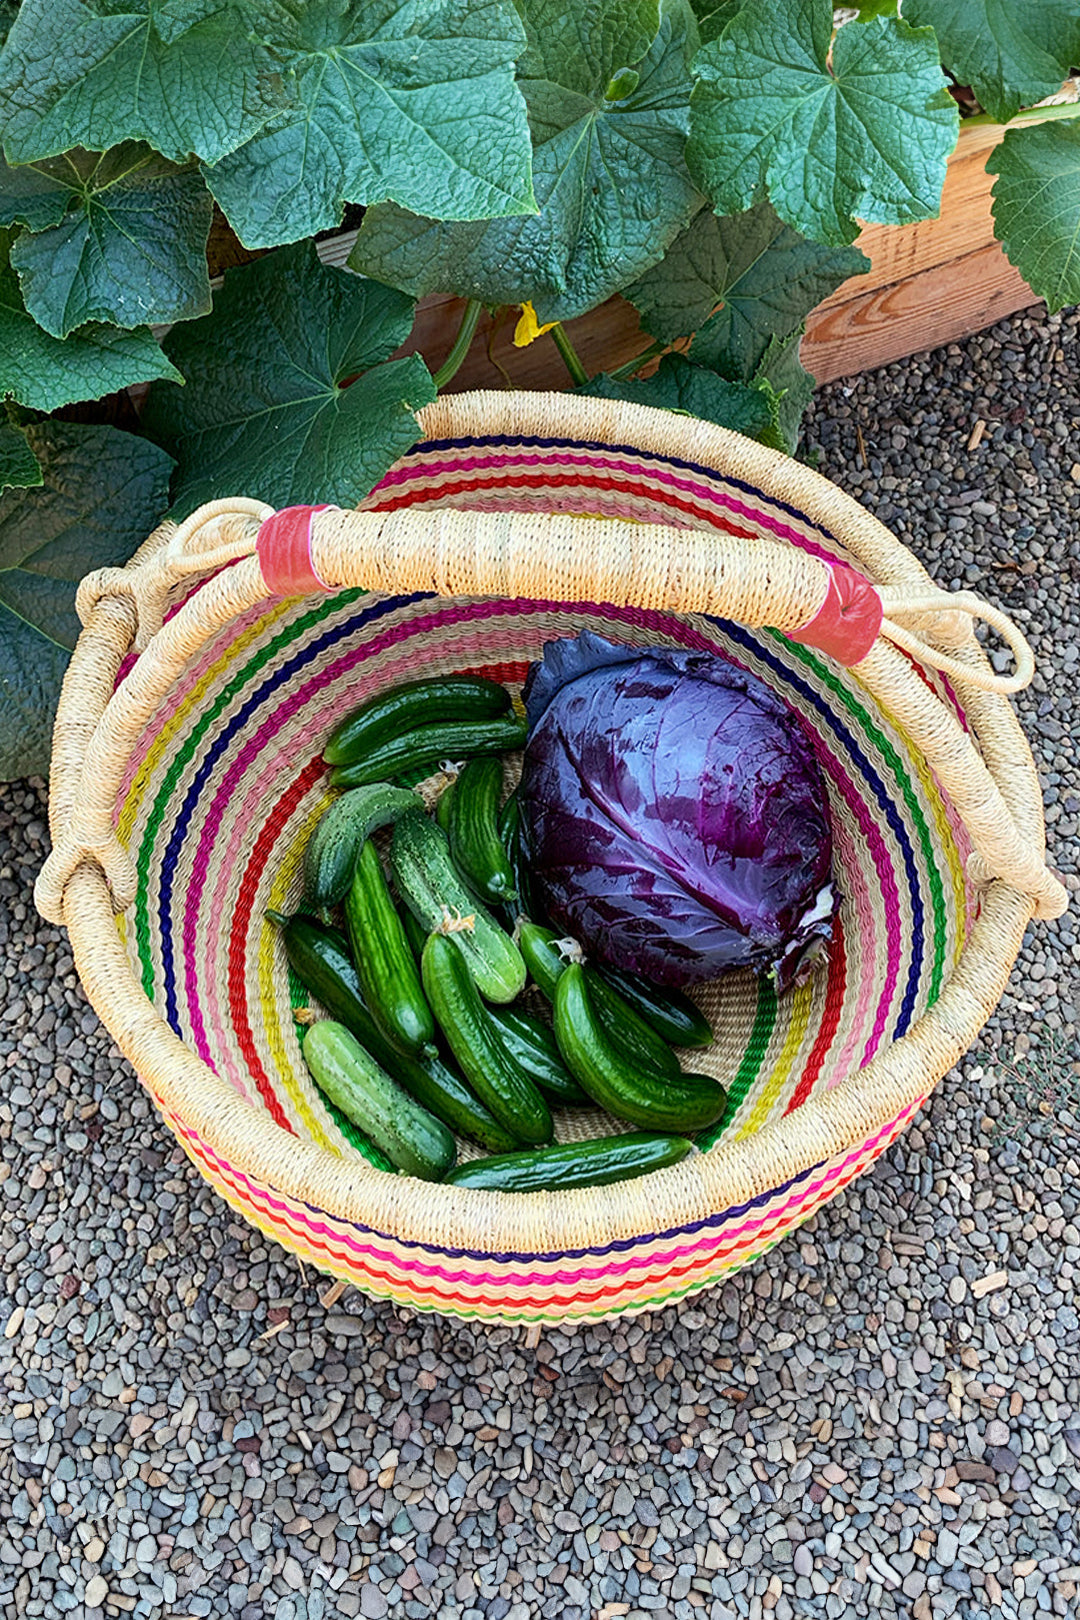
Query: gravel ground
[(882, 1415)]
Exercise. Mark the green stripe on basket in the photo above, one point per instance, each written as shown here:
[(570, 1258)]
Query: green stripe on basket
[(183, 756), (747, 1072), (911, 803)]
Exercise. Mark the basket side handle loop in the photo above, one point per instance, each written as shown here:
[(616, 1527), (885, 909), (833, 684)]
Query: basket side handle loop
[(948, 617)]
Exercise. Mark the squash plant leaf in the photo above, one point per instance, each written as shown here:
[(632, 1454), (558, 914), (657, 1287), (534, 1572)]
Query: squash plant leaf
[(8, 11), (677, 385), (864, 135), (713, 17), (265, 411), (759, 276), (1037, 207), (19, 467), (788, 386), (45, 372), (607, 91), (1011, 52), (413, 100), (102, 493), (75, 76), (126, 240)]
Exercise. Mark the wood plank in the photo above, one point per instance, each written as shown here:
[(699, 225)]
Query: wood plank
[(939, 305)]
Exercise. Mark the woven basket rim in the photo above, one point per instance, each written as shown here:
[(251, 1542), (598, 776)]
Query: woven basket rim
[(825, 1128)]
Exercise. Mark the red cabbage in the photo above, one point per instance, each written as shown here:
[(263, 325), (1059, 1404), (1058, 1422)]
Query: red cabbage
[(673, 813)]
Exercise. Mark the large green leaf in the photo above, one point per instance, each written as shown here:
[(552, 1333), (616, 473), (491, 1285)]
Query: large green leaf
[(789, 388), (677, 385), (863, 135), (8, 10), (412, 100), (19, 467), (1037, 207), (103, 492), (264, 412), (713, 16), (1011, 52), (610, 175), (71, 77), (44, 372), (761, 277), (126, 243)]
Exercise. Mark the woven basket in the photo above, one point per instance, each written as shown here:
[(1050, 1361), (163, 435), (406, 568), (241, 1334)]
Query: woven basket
[(187, 775)]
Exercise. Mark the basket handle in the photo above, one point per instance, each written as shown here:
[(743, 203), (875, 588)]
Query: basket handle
[(549, 556)]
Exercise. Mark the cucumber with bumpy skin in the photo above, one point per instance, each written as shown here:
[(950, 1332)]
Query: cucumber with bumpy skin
[(468, 813), (384, 960), (682, 1104), (432, 888), (672, 1015), (403, 708), (427, 745), (500, 1083), (410, 1137), (627, 1029), (532, 1044), (331, 852), (595, 1163)]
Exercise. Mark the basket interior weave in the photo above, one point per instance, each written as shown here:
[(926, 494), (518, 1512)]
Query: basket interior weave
[(224, 789)]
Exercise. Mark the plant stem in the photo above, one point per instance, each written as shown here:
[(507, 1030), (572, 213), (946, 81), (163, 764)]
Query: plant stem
[(569, 354), (630, 366), (466, 331), (1026, 115)]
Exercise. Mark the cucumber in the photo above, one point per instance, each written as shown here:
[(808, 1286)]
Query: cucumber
[(543, 961), (683, 1104), (671, 1014), (532, 1044), (331, 851), (414, 703), (384, 961), (636, 1039), (595, 1163), (410, 1137), (415, 932), (468, 814), (320, 959), (427, 745), (498, 1081), (432, 888), (527, 903)]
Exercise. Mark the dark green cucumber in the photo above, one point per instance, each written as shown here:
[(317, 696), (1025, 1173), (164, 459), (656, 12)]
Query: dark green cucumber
[(527, 903), (636, 1039), (384, 959), (500, 1083), (543, 959), (415, 932), (432, 888), (594, 1163), (331, 851), (532, 1044), (412, 1138), (320, 959), (414, 703), (427, 745), (683, 1104), (671, 1014), (468, 814)]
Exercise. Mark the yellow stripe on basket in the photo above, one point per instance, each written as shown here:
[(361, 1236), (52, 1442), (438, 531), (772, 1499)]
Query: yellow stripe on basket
[(801, 999), (161, 742), (279, 889)]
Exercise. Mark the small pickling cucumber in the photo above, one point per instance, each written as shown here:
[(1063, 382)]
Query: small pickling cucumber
[(595, 1163), (526, 903), (320, 959), (426, 745), (543, 958), (331, 851), (414, 703), (671, 1014), (683, 1103), (500, 1083), (468, 814), (432, 888), (384, 960), (532, 1044), (410, 1137)]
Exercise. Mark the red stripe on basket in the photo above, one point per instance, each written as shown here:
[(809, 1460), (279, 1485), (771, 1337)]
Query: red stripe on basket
[(835, 986), (237, 954)]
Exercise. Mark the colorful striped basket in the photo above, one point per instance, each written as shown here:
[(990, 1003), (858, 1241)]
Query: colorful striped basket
[(187, 775)]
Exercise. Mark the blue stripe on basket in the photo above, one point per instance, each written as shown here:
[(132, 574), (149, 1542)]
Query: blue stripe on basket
[(299, 661)]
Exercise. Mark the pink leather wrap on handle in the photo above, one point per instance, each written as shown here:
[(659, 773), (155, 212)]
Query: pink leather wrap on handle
[(284, 551), (846, 624)]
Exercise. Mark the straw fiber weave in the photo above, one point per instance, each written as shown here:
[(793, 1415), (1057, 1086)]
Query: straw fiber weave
[(187, 777)]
